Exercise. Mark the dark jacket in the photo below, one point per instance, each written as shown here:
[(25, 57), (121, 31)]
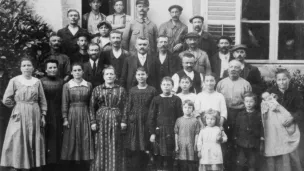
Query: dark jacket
[(248, 129), (69, 41), (207, 44), (130, 66), (253, 75), (216, 64), (96, 79)]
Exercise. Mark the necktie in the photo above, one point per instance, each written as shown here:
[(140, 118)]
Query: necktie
[(94, 68)]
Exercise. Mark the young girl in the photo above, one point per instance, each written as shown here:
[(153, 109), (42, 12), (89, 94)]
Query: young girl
[(77, 142), (164, 110), (185, 83), (103, 37), (137, 110), (209, 143), (186, 132)]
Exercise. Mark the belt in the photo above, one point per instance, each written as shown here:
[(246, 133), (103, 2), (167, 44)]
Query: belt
[(27, 102), (78, 104)]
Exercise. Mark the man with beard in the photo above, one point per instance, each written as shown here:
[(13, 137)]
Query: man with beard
[(117, 55), (188, 62), (119, 20), (166, 63), (55, 54), (69, 34), (206, 41), (93, 68), (248, 72), (174, 29), (140, 27), (82, 55), (90, 20), (142, 58), (202, 63), (233, 88), (220, 60)]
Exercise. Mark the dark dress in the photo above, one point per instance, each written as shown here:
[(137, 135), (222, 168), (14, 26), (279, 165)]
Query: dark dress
[(52, 87), (77, 142), (137, 111), (164, 111), (109, 152)]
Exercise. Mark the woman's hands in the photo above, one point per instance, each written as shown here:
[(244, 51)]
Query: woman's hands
[(66, 123), (94, 127), (42, 121)]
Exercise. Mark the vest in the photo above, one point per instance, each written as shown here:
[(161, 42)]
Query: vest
[(196, 82)]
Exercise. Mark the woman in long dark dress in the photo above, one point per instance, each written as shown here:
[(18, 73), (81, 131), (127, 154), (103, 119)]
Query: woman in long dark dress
[(137, 110), (52, 86), (77, 145), (108, 122), (23, 146)]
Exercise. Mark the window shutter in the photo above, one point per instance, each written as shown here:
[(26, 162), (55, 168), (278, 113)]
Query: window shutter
[(221, 18)]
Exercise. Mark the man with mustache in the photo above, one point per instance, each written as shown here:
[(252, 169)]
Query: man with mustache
[(174, 29), (166, 63), (201, 62), (55, 54), (248, 72), (142, 58), (69, 34), (117, 55), (233, 88), (93, 68), (91, 19), (206, 41), (188, 62), (140, 27), (220, 60), (82, 55)]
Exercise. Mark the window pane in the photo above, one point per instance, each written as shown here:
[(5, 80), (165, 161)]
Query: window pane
[(220, 30), (255, 9), (291, 10), (291, 41), (256, 37)]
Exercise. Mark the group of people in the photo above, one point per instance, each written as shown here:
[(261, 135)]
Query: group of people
[(124, 95)]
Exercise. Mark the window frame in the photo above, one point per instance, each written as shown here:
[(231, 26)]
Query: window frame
[(274, 23)]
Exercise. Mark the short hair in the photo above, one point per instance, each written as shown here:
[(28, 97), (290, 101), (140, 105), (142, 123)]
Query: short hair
[(282, 71), (109, 67), (252, 95), (93, 44), (214, 113), (212, 74), (162, 36), (142, 69), (77, 64), (53, 61), (87, 36), (142, 38), (107, 24), (26, 58), (115, 1), (185, 77), (188, 55), (224, 37), (235, 61), (116, 32), (167, 78), (73, 10), (189, 103), (90, 1)]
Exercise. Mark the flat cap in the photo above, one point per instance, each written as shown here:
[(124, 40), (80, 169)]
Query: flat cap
[(104, 23), (191, 35), (145, 2), (175, 6), (239, 46), (196, 16)]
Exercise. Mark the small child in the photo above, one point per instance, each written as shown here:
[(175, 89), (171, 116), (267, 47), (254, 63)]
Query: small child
[(103, 37), (248, 134), (209, 143), (164, 111), (185, 83), (186, 132)]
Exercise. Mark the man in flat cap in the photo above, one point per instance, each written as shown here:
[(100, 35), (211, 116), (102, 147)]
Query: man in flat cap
[(206, 41), (140, 27), (174, 29), (202, 63), (248, 72), (220, 60)]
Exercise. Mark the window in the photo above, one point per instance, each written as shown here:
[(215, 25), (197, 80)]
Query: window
[(273, 30), (222, 29)]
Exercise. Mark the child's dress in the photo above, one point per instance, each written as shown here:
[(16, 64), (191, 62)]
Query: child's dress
[(210, 148), (162, 116)]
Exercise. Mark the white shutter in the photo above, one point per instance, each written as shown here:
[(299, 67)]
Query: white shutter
[(222, 17)]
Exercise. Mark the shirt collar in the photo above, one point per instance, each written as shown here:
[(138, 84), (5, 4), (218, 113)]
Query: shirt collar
[(222, 56), (143, 56), (72, 83), (92, 62), (105, 87), (178, 23), (140, 20), (188, 72), (122, 15)]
